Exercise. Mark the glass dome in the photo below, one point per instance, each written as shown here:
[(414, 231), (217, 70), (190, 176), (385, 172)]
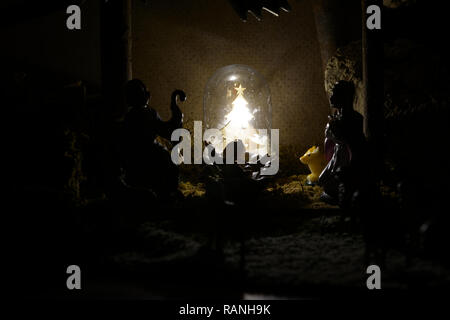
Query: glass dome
[(237, 102)]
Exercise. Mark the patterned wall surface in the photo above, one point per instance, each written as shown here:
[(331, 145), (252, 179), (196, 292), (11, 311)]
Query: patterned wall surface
[(182, 48)]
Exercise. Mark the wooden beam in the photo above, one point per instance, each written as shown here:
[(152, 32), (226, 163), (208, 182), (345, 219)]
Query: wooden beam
[(116, 55), (372, 60)]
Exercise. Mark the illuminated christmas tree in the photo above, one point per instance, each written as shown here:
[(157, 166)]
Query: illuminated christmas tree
[(238, 126), (239, 116)]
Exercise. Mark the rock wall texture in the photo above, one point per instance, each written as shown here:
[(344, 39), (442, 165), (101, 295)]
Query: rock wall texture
[(346, 65), (416, 71)]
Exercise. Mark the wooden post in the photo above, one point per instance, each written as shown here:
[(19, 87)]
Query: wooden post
[(372, 60), (116, 46), (128, 39)]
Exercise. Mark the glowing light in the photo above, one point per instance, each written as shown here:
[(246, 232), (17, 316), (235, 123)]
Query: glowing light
[(237, 103), (238, 125), (239, 116)]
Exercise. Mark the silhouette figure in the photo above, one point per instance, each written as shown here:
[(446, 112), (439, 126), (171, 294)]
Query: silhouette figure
[(344, 148), (147, 163)]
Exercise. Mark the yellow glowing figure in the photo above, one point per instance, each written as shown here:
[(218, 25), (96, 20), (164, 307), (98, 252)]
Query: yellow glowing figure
[(316, 162)]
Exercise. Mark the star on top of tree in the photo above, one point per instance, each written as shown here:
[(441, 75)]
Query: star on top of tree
[(240, 90)]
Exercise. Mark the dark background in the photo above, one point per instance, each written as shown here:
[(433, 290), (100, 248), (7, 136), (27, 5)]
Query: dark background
[(63, 114)]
